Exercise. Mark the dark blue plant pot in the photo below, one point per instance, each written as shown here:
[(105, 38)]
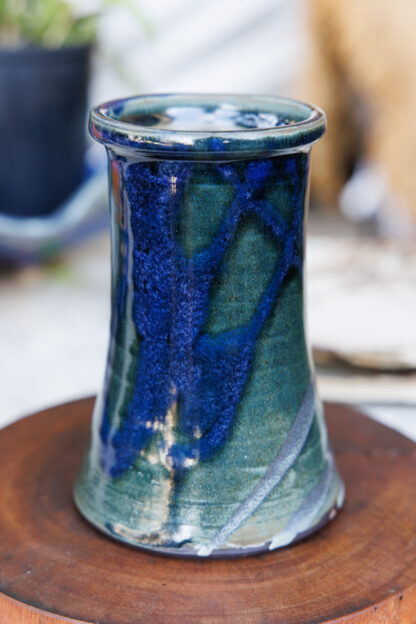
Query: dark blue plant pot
[(43, 100), (208, 437)]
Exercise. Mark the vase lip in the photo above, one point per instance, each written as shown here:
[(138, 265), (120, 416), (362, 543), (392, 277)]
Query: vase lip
[(206, 125)]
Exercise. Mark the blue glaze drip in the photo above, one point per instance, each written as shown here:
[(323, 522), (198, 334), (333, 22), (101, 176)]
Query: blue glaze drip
[(179, 360)]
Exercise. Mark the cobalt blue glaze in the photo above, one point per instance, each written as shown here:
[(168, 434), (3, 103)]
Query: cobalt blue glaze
[(208, 437)]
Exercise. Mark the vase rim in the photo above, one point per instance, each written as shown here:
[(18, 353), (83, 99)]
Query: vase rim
[(206, 125)]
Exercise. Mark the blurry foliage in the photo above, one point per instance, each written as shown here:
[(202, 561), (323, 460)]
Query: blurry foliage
[(55, 23)]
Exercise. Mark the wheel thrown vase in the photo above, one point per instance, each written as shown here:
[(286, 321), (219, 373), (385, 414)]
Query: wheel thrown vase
[(208, 437)]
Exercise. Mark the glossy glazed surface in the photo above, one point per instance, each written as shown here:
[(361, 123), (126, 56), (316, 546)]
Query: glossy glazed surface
[(208, 436), (206, 126)]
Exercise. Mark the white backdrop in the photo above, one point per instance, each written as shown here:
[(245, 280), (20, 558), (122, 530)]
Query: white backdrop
[(202, 46)]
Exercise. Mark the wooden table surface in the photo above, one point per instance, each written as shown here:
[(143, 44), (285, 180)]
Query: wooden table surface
[(55, 568)]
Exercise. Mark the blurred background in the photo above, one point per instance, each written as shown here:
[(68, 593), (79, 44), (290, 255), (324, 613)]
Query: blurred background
[(356, 60)]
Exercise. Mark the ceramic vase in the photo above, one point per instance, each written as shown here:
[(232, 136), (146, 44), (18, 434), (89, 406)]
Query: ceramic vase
[(208, 437)]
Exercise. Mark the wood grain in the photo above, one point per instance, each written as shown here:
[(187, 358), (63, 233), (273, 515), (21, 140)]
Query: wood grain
[(55, 568)]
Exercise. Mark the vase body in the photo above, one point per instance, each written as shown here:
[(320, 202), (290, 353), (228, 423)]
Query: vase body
[(208, 437)]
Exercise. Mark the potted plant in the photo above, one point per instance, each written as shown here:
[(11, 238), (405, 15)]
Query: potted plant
[(44, 65)]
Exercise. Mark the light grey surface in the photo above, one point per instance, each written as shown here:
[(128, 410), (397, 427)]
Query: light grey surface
[(53, 330), (399, 417), (362, 301)]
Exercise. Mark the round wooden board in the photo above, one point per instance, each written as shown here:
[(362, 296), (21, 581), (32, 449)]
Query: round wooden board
[(56, 568)]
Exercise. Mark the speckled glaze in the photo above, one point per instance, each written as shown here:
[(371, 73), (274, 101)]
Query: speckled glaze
[(208, 438)]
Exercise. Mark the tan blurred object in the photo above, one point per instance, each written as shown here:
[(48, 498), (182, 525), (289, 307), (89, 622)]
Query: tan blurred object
[(363, 73)]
